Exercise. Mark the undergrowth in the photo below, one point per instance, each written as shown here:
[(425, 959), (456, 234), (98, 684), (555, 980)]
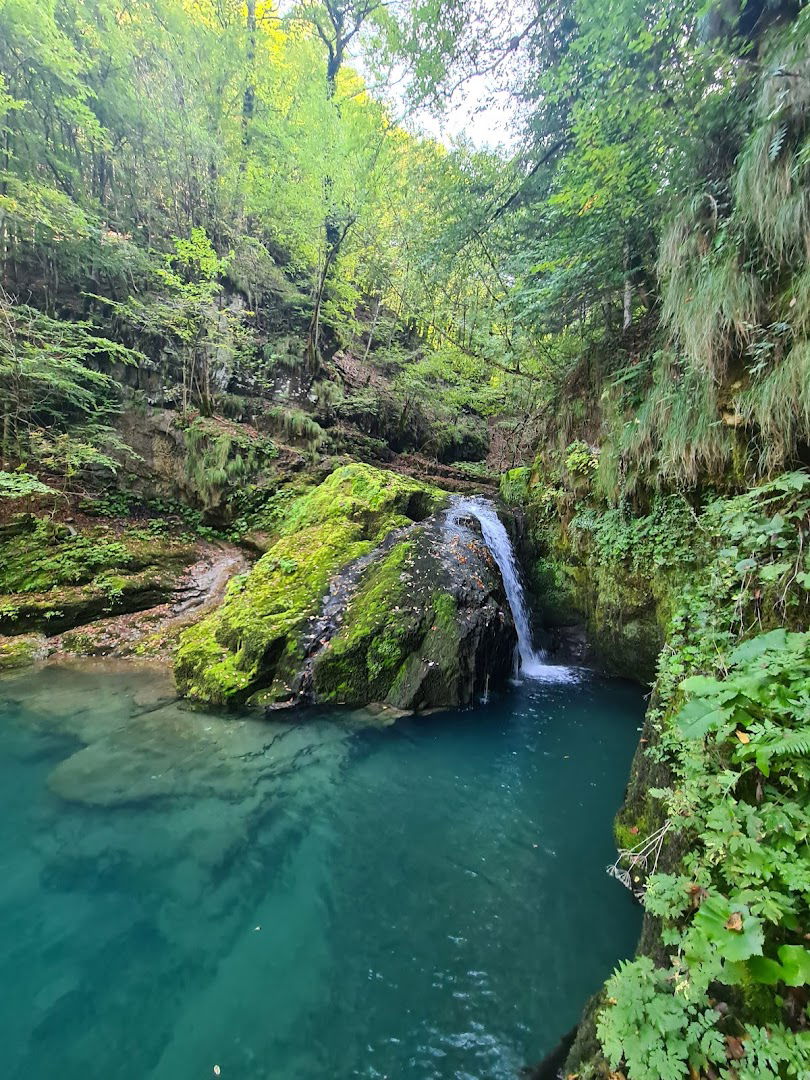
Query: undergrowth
[(732, 721), (221, 455)]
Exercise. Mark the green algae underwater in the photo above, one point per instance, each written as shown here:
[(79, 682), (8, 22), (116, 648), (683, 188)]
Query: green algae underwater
[(182, 892)]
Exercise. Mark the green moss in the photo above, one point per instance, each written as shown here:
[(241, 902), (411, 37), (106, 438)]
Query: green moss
[(53, 577), (363, 658), (443, 637), (251, 643), (48, 554), (19, 652), (633, 825), (64, 607), (373, 498), (515, 485)]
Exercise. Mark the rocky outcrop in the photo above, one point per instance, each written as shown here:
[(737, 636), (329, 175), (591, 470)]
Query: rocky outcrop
[(428, 627), (367, 593), (56, 576), (20, 651), (89, 588)]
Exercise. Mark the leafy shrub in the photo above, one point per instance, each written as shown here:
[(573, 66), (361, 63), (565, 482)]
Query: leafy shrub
[(732, 718)]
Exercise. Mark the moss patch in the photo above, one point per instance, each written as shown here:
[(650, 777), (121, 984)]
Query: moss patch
[(17, 652), (421, 632), (363, 659), (53, 578)]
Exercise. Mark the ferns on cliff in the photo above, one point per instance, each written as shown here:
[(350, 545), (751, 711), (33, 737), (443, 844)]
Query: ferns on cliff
[(736, 291), (772, 181), (777, 404), (711, 302), (675, 434), (219, 455), (295, 425)]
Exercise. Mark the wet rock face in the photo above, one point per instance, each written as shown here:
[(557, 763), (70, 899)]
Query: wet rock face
[(368, 594), (428, 627)]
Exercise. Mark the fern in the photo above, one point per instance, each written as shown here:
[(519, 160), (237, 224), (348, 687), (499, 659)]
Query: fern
[(777, 142)]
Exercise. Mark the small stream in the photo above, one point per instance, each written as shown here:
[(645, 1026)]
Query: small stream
[(295, 901)]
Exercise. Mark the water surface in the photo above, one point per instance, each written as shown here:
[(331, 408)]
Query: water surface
[(297, 901)]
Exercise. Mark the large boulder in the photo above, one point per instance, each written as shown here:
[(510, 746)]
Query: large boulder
[(368, 592), (428, 627), (255, 641)]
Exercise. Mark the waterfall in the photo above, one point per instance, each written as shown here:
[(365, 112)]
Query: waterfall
[(531, 663)]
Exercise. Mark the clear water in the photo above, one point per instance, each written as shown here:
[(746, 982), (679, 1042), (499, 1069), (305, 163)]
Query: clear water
[(298, 901)]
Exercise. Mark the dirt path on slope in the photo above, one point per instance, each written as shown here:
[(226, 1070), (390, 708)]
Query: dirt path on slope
[(153, 633)]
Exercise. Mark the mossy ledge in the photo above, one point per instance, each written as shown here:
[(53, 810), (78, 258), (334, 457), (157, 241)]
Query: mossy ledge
[(251, 647), (54, 576)]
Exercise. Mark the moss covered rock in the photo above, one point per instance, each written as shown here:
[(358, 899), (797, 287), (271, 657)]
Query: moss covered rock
[(429, 626), (18, 652), (254, 644), (54, 577)]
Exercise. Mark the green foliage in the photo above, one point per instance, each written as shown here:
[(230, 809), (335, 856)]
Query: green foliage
[(514, 485), (19, 485), (663, 539), (221, 455), (50, 556), (580, 459), (55, 402), (670, 1030), (732, 723)]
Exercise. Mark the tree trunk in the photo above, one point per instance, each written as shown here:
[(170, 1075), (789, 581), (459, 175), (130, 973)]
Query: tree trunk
[(373, 328), (249, 96), (628, 289)]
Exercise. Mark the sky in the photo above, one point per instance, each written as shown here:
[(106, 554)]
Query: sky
[(478, 112)]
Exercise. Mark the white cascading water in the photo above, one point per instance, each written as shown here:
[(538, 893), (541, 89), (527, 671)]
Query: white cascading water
[(531, 663)]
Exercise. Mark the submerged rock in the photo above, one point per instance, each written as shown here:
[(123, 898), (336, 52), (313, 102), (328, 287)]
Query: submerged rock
[(368, 594)]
